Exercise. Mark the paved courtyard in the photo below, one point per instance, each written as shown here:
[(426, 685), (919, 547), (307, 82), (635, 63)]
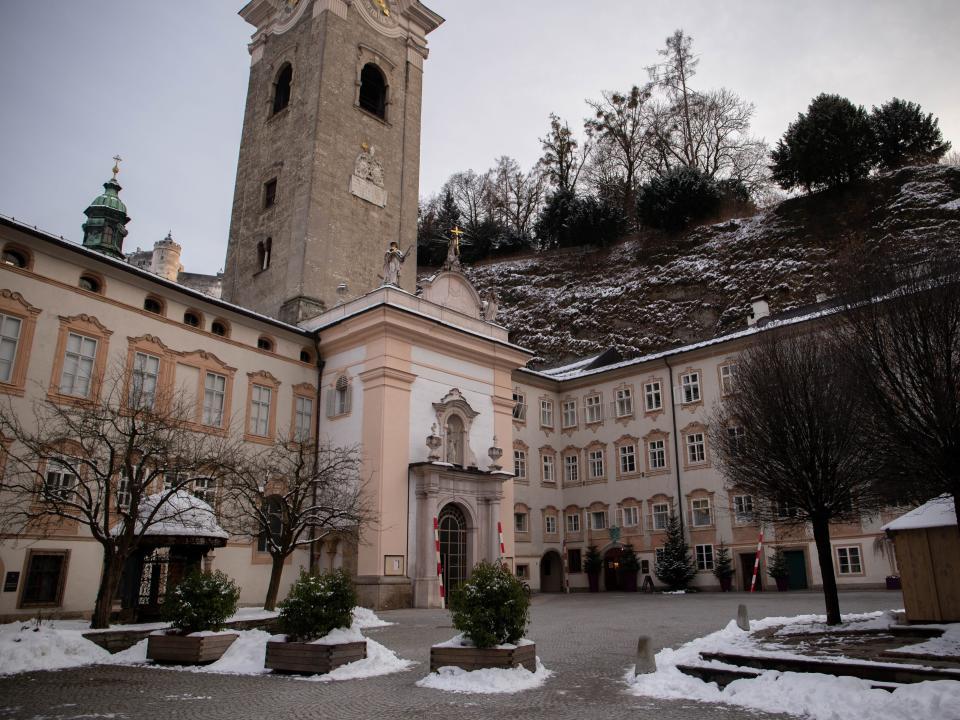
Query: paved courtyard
[(587, 640)]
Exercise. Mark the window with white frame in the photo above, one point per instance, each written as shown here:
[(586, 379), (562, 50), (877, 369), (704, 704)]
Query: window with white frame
[(848, 560), (214, 392), (784, 510), (340, 400), (170, 480), (652, 396), (523, 572), (728, 377), (631, 516), (9, 339), (60, 480), (690, 388), (569, 413), (661, 516), (658, 554), (549, 474), (592, 409), (595, 463), (704, 557), (520, 464), (743, 509), (598, 520), (205, 489), (520, 522), (628, 459), (571, 469), (303, 418), (696, 448), (573, 522), (700, 512), (519, 406), (260, 399), (546, 413), (123, 490), (143, 384), (624, 402), (657, 454), (78, 360), (550, 524), (735, 436)]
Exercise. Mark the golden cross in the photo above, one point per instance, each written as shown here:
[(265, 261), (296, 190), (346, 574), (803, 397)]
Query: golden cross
[(384, 7), (116, 165), (456, 232)]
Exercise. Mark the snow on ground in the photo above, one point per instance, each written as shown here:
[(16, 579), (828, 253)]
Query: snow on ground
[(25, 647), (947, 644), (816, 624), (488, 681), (817, 696), (462, 641), (364, 618)]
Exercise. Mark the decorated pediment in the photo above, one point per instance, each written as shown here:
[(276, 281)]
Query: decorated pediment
[(452, 290)]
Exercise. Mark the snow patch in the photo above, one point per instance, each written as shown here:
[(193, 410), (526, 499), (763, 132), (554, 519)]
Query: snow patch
[(487, 681), (938, 512), (25, 647), (365, 618)]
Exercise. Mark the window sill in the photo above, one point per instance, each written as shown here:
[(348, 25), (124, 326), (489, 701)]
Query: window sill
[(60, 398), (521, 481), (596, 481), (9, 389), (629, 476), (363, 111), (658, 471), (279, 115), (259, 439)]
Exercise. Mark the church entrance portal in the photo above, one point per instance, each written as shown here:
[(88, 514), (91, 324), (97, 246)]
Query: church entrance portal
[(551, 573), (453, 547)]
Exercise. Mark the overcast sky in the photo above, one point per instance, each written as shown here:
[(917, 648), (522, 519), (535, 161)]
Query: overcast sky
[(164, 83)]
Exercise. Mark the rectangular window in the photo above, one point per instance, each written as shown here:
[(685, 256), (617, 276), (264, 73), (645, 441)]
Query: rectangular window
[(550, 524), (523, 572), (9, 338), (520, 523), (303, 418), (735, 437), (170, 480), (644, 567), (569, 413), (848, 558), (571, 469), (696, 448), (519, 406), (628, 459), (657, 454), (573, 522), (704, 557), (592, 409), (78, 362), (546, 413), (269, 193), (700, 512), (690, 388), (743, 509), (260, 410), (631, 516), (123, 490), (214, 392), (205, 489), (658, 554), (624, 402), (784, 510), (598, 520), (520, 464), (143, 385), (596, 464), (548, 470), (652, 397), (573, 561), (661, 516), (727, 378), (45, 576), (60, 480)]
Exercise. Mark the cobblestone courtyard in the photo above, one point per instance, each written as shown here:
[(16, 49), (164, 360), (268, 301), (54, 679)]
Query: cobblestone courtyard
[(587, 640)]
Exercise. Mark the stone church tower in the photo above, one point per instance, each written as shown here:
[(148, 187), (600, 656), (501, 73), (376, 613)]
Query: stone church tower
[(329, 164)]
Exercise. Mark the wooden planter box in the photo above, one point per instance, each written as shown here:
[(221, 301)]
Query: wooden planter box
[(188, 650), (469, 658), (311, 658)]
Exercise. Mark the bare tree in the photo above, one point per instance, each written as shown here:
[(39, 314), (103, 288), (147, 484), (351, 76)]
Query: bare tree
[(515, 196), (902, 334), (563, 157), (290, 496), (114, 465), (792, 435), (471, 191), (673, 75), (952, 158)]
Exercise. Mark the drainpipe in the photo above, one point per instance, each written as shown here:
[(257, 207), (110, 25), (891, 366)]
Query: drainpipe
[(314, 565), (676, 442)]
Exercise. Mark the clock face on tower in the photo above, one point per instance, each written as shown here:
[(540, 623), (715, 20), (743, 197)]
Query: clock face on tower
[(380, 11)]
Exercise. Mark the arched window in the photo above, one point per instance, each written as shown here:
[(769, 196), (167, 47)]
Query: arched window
[(90, 283), (339, 401), (153, 305), (306, 356), (220, 327), (453, 546), (455, 440), (192, 318), (281, 88), (265, 343), (15, 257), (264, 249), (373, 91)]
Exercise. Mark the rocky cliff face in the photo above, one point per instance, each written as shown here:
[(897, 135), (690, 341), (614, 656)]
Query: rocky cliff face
[(652, 292)]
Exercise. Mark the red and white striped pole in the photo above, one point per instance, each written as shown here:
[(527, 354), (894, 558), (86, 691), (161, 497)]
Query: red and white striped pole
[(756, 562), (436, 541), (503, 551)]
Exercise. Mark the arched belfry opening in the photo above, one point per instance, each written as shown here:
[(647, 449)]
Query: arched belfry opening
[(281, 88), (373, 91)]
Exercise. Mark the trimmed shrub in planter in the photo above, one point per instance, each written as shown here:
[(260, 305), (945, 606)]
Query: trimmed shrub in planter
[(723, 568), (198, 609), (316, 606), (491, 609)]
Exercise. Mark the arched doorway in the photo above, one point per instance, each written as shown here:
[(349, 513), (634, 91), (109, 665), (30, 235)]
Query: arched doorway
[(453, 547), (551, 572), (611, 569)]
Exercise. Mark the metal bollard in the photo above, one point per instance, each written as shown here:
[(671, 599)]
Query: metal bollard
[(743, 621), (646, 663)]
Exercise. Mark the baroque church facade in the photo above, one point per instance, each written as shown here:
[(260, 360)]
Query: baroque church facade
[(322, 328)]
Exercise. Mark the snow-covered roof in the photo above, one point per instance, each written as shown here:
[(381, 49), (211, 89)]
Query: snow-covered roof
[(938, 512), (180, 514)]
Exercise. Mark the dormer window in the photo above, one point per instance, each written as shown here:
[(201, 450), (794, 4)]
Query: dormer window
[(192, 318), (265, 343), (220, 327), (153, 305)]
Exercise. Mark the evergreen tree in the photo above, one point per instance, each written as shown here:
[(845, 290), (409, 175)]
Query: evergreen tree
[(433, 233), (722, 564), (679, 197), (777, 568), (905, 136), (675, 567), (832, 144)]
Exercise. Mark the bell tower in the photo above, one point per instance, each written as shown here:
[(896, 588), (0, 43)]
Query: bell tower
[(329, 165)]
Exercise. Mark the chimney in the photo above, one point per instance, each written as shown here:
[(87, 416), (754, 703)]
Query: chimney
[(759, 310)]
